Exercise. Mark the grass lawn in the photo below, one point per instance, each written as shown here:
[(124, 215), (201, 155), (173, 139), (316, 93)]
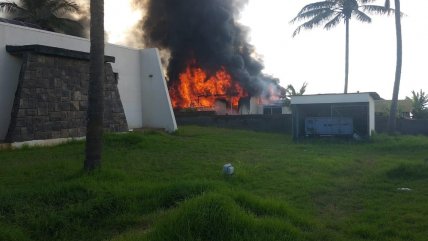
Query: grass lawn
[(160, 187)]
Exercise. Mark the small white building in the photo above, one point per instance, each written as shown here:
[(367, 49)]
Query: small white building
[(334, 114), (255, 106)]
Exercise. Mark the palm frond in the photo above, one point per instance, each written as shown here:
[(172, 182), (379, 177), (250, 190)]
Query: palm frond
[(66, 25), (290, 90), (419, 100), (63, 7), (332, 23), (303, 88), (10, 7), (318, 5), (365, 1), (361, 16), (374, 9), (320, 12), (52, 15), (315, 21), (309, 14)]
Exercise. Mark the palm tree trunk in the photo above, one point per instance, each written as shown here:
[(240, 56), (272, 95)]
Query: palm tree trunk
[(94, 132), (346, 56), (392, 123)]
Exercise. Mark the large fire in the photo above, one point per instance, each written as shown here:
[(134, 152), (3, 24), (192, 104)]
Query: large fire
[(195, 89)]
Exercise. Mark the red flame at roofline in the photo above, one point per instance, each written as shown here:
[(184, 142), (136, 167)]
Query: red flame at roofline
[(196, 90)]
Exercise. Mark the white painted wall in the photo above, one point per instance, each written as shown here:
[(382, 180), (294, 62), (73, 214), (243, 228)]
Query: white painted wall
[(286, 110), (330, 98), (155, 96), (255, 107), (372, 115), (133, 89)]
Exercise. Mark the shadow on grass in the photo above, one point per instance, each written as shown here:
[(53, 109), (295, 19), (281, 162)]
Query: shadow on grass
[(85, 210), (409, 171)]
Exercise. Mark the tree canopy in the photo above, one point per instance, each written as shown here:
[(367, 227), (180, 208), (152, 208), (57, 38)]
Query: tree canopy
[(51, 15), (419, 104), (290, 90), (331, 12)]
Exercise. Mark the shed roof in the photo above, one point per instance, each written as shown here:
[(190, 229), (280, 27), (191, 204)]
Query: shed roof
[(335, 98)]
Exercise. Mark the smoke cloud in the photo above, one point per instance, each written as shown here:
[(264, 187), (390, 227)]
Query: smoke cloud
[(83, 17), (206, 31)]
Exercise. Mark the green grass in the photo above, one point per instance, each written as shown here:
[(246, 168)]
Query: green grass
[(160, 187)]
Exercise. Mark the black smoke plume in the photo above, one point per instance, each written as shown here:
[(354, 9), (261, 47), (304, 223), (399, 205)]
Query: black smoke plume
[(206, 31)]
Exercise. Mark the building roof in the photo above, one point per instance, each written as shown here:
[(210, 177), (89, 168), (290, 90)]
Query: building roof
[(335, 98), (52, 51), (20, 23)]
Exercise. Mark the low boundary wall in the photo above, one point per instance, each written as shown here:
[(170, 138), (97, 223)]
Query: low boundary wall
[(265, 123), (283, 123), (404, 126)]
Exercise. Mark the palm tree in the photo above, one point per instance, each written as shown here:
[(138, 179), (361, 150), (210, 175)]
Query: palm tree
[(94, 132), (292, 91), (419, 104), (392, 122), (331, 12), (51, 15)]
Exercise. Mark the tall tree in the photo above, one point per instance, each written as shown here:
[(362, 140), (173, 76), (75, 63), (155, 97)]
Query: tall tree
[(290, 91), (392, 122), (331, 12), (94, 132), (51, 15), (419, 104)]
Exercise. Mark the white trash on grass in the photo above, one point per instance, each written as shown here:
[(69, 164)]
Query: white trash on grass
[(228, 169), (404, 189)]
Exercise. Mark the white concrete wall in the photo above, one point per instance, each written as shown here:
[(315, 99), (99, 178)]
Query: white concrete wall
[(286, 110), (372, 115), (156, 105), (244, 110), (128, 66), (255, 107)]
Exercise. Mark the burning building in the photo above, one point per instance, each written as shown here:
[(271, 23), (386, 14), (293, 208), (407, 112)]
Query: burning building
[(210, 64)]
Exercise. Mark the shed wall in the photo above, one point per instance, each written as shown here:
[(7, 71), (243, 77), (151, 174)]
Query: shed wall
[(330, 98)]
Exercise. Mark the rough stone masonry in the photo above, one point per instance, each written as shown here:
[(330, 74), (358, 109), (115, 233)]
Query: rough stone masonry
[(52, 95)]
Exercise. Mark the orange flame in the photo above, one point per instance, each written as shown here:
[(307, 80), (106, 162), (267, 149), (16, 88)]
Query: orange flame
[(195, 90)]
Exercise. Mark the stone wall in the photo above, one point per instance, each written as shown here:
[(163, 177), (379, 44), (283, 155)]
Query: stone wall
[(52, 99)]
